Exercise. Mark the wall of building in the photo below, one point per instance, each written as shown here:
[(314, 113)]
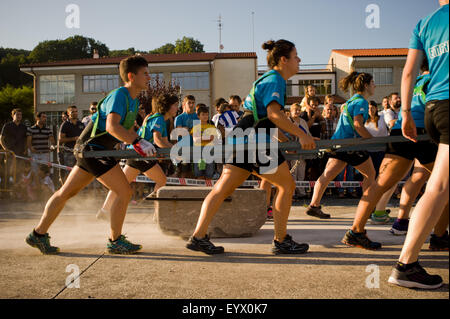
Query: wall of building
[(232, 77)]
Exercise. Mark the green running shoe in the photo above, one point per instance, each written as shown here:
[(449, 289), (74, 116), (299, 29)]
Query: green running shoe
[(41, 243), (122, 246), (382, 219)]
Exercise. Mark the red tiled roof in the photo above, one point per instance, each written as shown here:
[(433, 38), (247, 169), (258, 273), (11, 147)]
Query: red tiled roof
[(373, 52), (151, 58)]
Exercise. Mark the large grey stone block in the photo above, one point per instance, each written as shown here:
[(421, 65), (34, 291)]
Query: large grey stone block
[(243, 216)]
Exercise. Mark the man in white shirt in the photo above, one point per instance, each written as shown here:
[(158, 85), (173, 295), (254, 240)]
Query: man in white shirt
[(391, 114)]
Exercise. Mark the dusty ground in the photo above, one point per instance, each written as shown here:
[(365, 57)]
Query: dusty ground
[(165, 269)]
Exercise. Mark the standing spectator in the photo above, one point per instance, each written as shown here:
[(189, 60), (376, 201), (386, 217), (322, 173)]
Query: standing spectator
[(235, 102), (313, 117), (376, 126), (391, 114), (68, 135), (217, 104), (38, 138), (384, 105), (203, 134), (315, 122), (299, 171), (92, 109), (329, 115), (309, 92), (13, 138), (186, 121), (227, 120)]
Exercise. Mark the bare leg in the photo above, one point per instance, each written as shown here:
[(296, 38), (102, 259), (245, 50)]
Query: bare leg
[(442, 224), (332, 169), (231, 178), (411, 189), (157, 175), (392, 170), (130, 174), (76, 181), (268, 188), (429, 208), (285, 185), (116, 181)]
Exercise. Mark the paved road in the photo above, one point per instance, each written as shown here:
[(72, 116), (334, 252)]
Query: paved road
[(165, 269)]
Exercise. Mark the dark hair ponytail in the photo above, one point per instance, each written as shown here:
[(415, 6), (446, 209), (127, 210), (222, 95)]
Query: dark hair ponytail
[(356, 80), (276, 50)]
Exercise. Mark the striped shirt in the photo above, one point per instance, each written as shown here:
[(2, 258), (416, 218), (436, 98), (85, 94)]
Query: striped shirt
[(228, 119), (40, 138)]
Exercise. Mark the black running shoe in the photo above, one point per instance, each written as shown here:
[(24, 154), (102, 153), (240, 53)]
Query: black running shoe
[(416, 277), (360, 240), (204, 245), (317, 212), (439, 243), (288, 246)]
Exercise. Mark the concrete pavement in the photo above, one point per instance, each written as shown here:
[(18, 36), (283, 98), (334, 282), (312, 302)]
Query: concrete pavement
[(165, 269)]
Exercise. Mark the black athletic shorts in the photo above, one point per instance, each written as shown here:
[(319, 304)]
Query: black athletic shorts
[(353, 158), (425, 151), (262, 162), (141, 166), (436, 120), (95, 166)]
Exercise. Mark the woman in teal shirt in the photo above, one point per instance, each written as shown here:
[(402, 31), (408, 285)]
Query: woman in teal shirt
[(264, 107)]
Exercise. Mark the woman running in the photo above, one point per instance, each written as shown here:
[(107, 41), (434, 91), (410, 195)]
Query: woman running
[(429, 38), (264, 110), (113, 123), (154, 130), (350, 125)]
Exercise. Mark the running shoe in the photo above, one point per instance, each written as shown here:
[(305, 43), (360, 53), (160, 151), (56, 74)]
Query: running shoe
[(439, 243), (360, 240), (122, 246), (288, 246), (103, 214), (41, 243), (400, 227), (317, 212), (204, 245), (269, 212), (382, 219), (415, 277)]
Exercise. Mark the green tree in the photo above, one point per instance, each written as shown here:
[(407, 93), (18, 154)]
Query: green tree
[(10, 72), (76, 47), (188, 45), (167, 48), (11, 98)]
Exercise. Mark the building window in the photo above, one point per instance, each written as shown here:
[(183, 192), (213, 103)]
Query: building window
[(192, 80), (323, 86), (100, 83), (57, 89), (381, 76)]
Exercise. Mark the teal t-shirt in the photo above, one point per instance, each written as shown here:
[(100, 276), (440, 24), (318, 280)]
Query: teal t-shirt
[(154, 124), (344, 128), (271, 88), (115, 102), (186, 120), (431, 36), (417, 105)]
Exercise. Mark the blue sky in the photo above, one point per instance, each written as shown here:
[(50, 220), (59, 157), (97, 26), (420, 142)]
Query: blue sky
[(315, 26)]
